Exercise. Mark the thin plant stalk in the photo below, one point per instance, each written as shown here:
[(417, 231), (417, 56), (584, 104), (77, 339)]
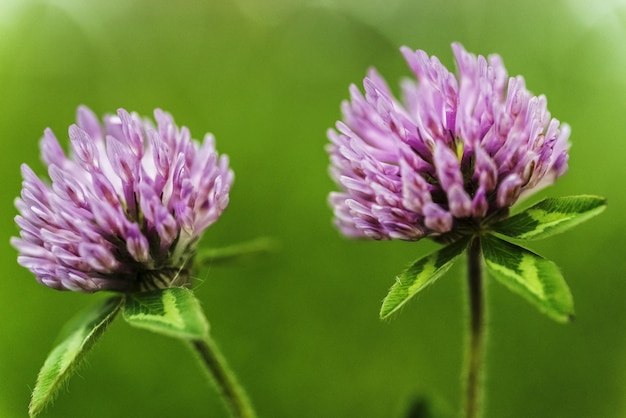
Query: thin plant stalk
[(476, 343), (232, 392)]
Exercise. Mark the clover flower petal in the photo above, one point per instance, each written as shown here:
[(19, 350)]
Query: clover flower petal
[(455, 151), (125, 210)]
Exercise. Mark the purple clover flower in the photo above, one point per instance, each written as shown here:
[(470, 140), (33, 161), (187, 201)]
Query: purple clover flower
[(453, 155), (125, 210)]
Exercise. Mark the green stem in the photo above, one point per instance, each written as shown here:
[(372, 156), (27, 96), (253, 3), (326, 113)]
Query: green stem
[(473, 389), (232, 393)]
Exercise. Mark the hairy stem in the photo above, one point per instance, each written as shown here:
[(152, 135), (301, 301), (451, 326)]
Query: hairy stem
[(474, 359), (232, 393)]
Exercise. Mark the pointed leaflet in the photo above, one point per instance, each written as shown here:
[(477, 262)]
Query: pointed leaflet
[(174, 312), (550, 216), (78, 336), (529, 275), (419, 275), (258, 246)]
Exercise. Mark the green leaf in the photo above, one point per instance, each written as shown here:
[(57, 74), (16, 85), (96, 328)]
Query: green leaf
[(419, 275), (77, 337), (550, 216), (529, 275), (174, 312), (257, 246)]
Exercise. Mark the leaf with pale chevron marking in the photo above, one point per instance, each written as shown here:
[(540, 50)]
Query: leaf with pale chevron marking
[(174, 312), (76, 339), (550, 216), (529, 275), (419, 275)]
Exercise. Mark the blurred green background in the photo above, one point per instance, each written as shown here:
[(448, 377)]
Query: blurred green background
[(301, 326)]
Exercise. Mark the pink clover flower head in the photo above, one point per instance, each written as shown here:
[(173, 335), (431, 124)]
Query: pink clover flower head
[(455, 153), (125, 209)]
